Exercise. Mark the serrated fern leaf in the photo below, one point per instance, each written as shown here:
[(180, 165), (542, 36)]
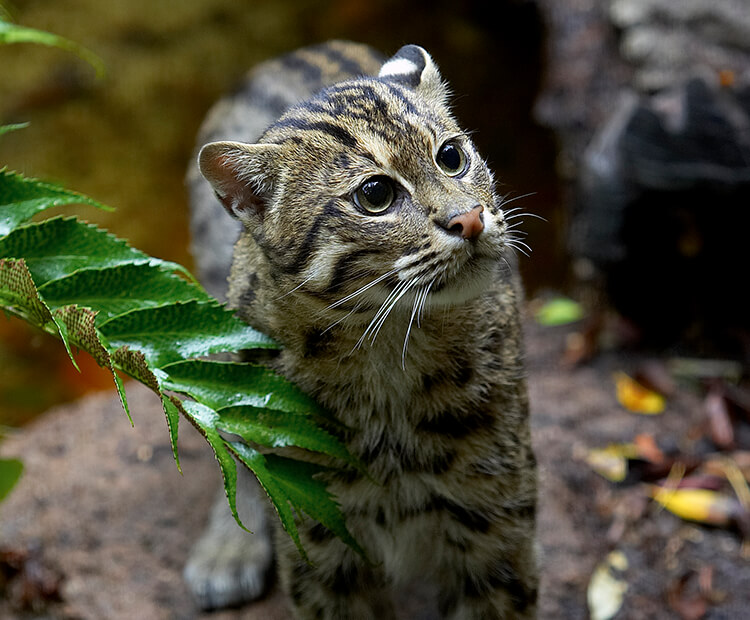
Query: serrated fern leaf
[(205, 420), (59, 246), (30, 196), (182, 330), (80, 328), (18, 294), (225, 384), (295, 488), (148, 319), (120, 289), (172, 413)]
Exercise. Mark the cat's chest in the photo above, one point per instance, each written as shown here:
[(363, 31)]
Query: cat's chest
[(390, 379)]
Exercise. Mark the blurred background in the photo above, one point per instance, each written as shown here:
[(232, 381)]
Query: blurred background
[(126, 139), (557, 93)]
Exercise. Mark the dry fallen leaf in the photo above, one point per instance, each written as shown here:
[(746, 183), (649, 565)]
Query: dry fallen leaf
[(702, 505), (636, 398), (690, 605), (648, 449), (606, 591), (655, 376), (612, 462), (719, 421)]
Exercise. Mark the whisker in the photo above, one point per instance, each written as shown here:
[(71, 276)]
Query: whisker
[(417, 296), (521, 243), (424, 300), (512, 215), (393, 295), (362, 289), (515, 246), (343, 318), (382, 319), (300, 285), (507, 264), (504, 201), (419, 302)]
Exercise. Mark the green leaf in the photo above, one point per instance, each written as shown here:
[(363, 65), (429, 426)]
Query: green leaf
[(294, 486), (10, 472), (59, 246), (116, 290), (182, 330), (135, 315), (277, 429), (172, 413), (12, 127), (227, 384), (18, 292), (21, 198), (204, 419), (12, 33), (79, 325), (559, 311)]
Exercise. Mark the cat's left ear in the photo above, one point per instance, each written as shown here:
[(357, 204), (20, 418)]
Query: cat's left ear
[(414, 68), (243, 176)]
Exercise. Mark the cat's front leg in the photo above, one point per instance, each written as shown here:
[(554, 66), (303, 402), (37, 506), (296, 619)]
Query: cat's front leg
[(227, 565), (336, 584), (504, 588)]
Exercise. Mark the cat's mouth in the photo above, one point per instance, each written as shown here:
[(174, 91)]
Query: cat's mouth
[(469, 282), (439, 277), (455, 276)]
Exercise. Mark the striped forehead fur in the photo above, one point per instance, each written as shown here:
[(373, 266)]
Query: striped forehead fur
[(352, 110)]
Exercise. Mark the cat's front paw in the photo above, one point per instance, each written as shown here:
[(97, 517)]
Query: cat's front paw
[(229, 567)]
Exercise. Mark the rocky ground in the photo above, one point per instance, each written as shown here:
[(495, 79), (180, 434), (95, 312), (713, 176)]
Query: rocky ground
[(101, 523)]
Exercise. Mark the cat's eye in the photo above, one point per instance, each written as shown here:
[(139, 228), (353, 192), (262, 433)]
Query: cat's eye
[(451, 159), (375, 194)]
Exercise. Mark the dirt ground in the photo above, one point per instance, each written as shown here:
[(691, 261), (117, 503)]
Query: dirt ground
[(101, 523)]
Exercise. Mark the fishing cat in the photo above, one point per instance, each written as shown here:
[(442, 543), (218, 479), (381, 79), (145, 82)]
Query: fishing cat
[(374, 248)]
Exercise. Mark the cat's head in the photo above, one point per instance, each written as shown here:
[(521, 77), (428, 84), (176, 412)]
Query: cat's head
[(368, 191)]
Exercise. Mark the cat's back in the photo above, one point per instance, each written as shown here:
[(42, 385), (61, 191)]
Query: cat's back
[(263, 95)]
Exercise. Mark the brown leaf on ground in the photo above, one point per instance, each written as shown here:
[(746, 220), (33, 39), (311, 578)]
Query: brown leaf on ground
[(720, 427), (654, 375), (25, 582), (686, 598)]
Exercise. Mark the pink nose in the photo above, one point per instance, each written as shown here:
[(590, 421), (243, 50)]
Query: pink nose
[(467, 225)]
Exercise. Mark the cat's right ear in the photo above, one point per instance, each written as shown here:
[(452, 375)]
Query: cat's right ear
[(242, 176), (414, 68)]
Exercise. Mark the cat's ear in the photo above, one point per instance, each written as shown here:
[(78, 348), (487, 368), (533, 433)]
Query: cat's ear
[(242, 175), (414, 68)]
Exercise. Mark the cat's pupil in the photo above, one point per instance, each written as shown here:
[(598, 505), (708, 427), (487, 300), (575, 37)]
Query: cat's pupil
[(375, 195), (376, 192), (450, 158)]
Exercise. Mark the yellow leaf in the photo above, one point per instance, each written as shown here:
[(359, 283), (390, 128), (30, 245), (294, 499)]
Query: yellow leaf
[(636, 398), (701, 505), (605, 591), (612, 462)]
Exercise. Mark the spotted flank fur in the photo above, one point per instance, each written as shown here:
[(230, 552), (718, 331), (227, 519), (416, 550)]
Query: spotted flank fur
[(374, 247)]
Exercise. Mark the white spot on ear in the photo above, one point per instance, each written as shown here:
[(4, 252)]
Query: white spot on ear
[(397, 66)]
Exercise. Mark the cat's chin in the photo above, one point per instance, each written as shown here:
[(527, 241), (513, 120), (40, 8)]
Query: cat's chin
[(466, 286)]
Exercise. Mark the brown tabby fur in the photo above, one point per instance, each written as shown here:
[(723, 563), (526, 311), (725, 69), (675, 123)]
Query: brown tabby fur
[(402, 324)]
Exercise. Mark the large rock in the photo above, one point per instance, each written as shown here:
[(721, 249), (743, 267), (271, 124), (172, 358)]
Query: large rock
[(109, 512)]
